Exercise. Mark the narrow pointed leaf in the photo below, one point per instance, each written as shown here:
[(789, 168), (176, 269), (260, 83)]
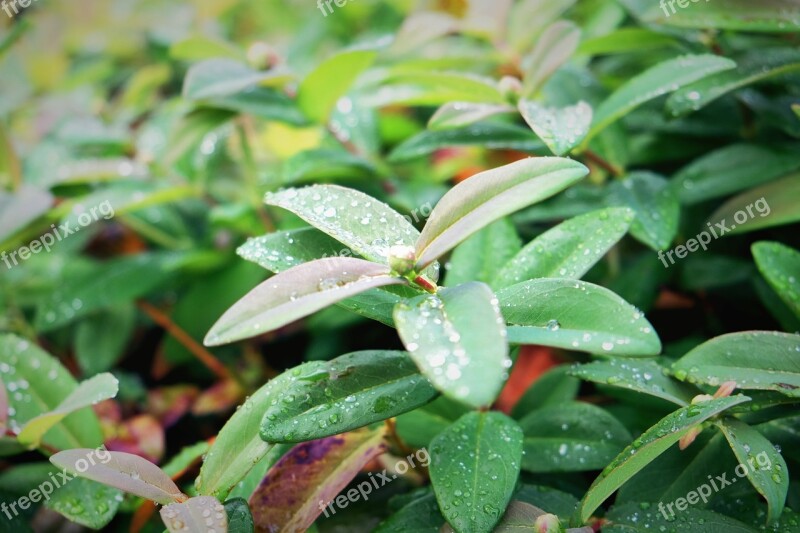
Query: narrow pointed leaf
[(420, 516), (457, 339), (751, 448), (572, 437), (555, 47), (297, 293), (730, 358), (780, 266), (561, 129), (576, 315), (310, 476), (201, 514), (283, 250), (647, 377), (367, 226), (459, 114), (649, 446), (665, 77), (120, 470), (351, 391), (776, 204), (94, 390), (474, 468), (488, 196), (568, 250), (632, 518), (224, 77), (240, 519)]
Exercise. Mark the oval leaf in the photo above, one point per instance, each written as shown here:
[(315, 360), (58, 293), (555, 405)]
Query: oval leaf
[(561, 129), (553, 48), (656, 206), (460, 114), (121, 470), (303, 482), (649, 446), (474, 468), (85, 502), (201, 514), (780, 266), (349, 392), (457, 339), (730, 358), (576, 315), (488, 196), (296, 293), (568, 250), (224, 77), (93, 390)]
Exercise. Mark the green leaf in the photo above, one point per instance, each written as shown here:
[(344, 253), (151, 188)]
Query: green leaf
[(639, 518), (38, 383), (530, 17), (322, 88), (199, 47), (552, 388), (625, 40), (101, 339), (480, 257), (780, 266), (555, 501), (488, 196), (410, 86), (351, 391), (85, 502), (647, 377), (18, 209), (263, 103), (553, 49), (649, 446), (457, 339), (308, 478), (776, 204), (568, 250), (11, 171), (419, 427), (751, 448), (367, 226), (656, 206), (571, 437), (201, 514), (238, 446), (325, 164), (92, 391), (730, 358), (733, 168), (460, 114), (576, 315), (754, 67), (490, 135), (297, 293), (240, 520), (667, 76), (474, 469), (420, 516), (123, 471), (218, 77), (766, 16), (283, 250), (561, 129), (111, 283)]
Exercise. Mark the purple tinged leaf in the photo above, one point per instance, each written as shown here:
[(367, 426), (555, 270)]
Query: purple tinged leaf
[(201, 514), (554, 48), (120, 470), (296, 293), (305, 480), (488, 196)]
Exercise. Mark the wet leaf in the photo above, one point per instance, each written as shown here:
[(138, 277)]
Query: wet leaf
[(296, 293), (655, 204), (480, 257), (576, 315), (730, 358), (776, 204), (351, 391), (474, 468), (554, 387), (101, 339), (561, 129), (85, 502), (571, 437), (93, 390), (460, 114), (568, 250), (780, 266), (225, 77), (457, 339), (420, 516), (488, 196), (240, 519), (123, 471), (649, 446), (201, 514), (303, 482), (644, 518)]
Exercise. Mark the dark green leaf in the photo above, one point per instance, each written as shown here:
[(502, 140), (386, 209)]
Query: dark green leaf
[(656, 206), (780, 266), (552, 388), (480, 257)]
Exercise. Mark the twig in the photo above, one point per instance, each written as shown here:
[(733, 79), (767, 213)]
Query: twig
[(194, 347), (602, 163)]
